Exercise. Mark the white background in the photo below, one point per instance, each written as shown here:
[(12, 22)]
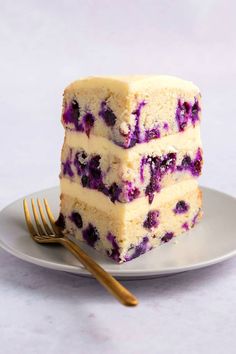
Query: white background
[(44, 46)]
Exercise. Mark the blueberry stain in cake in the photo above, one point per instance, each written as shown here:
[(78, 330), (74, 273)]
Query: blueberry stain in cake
[(166, 126), (135, 136), (114, 253), (67, 170), (151, 134), (195, 218), (107, 114), (181, 207), (192, 165), (187, 112), (195, 112), (197, 163), (185, 226), (91, 235), (167, 237), (136, 251), (72, 114), (130, 191), (182, 115), (158, 167), (142, 165)]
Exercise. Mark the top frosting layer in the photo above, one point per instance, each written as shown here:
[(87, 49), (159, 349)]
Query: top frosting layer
[(130, 83), (131, 110)]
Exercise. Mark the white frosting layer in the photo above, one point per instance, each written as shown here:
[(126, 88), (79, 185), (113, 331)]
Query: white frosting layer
[(133, 82), (100, 145), (125, 211)]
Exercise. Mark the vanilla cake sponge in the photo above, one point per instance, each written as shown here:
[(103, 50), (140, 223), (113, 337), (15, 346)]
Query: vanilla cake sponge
[(130, 161)]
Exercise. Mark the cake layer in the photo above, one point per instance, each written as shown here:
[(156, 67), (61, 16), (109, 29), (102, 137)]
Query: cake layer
[(124, 239), (131, 110), (124, 175), (125, 211)]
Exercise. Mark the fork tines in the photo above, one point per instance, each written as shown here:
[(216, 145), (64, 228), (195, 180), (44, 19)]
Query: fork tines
[(40, 230)]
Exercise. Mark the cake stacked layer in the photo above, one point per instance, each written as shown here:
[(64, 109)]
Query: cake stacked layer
[(131, 156)]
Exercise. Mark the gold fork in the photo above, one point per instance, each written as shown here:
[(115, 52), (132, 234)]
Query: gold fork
[(45, 234)]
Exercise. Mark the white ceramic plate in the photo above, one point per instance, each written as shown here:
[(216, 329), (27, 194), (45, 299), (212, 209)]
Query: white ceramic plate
[(210, 242)]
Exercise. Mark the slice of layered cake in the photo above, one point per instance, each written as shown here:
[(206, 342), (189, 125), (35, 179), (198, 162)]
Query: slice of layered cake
[(130, 162)]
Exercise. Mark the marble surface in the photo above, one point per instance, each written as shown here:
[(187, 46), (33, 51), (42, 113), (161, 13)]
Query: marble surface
[(45, 47)]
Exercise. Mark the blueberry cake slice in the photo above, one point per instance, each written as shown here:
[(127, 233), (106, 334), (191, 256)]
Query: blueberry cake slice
[(130, 161)]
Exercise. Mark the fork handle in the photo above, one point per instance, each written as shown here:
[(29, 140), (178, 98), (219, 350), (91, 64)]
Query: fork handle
[(104, 278)]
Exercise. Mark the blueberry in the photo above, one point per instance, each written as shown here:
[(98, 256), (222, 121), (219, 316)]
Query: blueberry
[(95, 173), (84, 180), (75, 105), (182, 115), (139, 249), (60, 221), (74, 110), (168, 162), (181, 207), (91, 235), (155, 161), (89, 119), (88, 122), (133, 193), (109, 117), (186, 107), (152, 220), (152, 187), (167, 237), (166, 126), (94, 168), (95, 161), (114, 253), (76, 218), (107, 114), (196, 168), (185, 226), (186, 162), (195, 108), (114, 192), (72, 114), (83, 155), (152, 134)]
